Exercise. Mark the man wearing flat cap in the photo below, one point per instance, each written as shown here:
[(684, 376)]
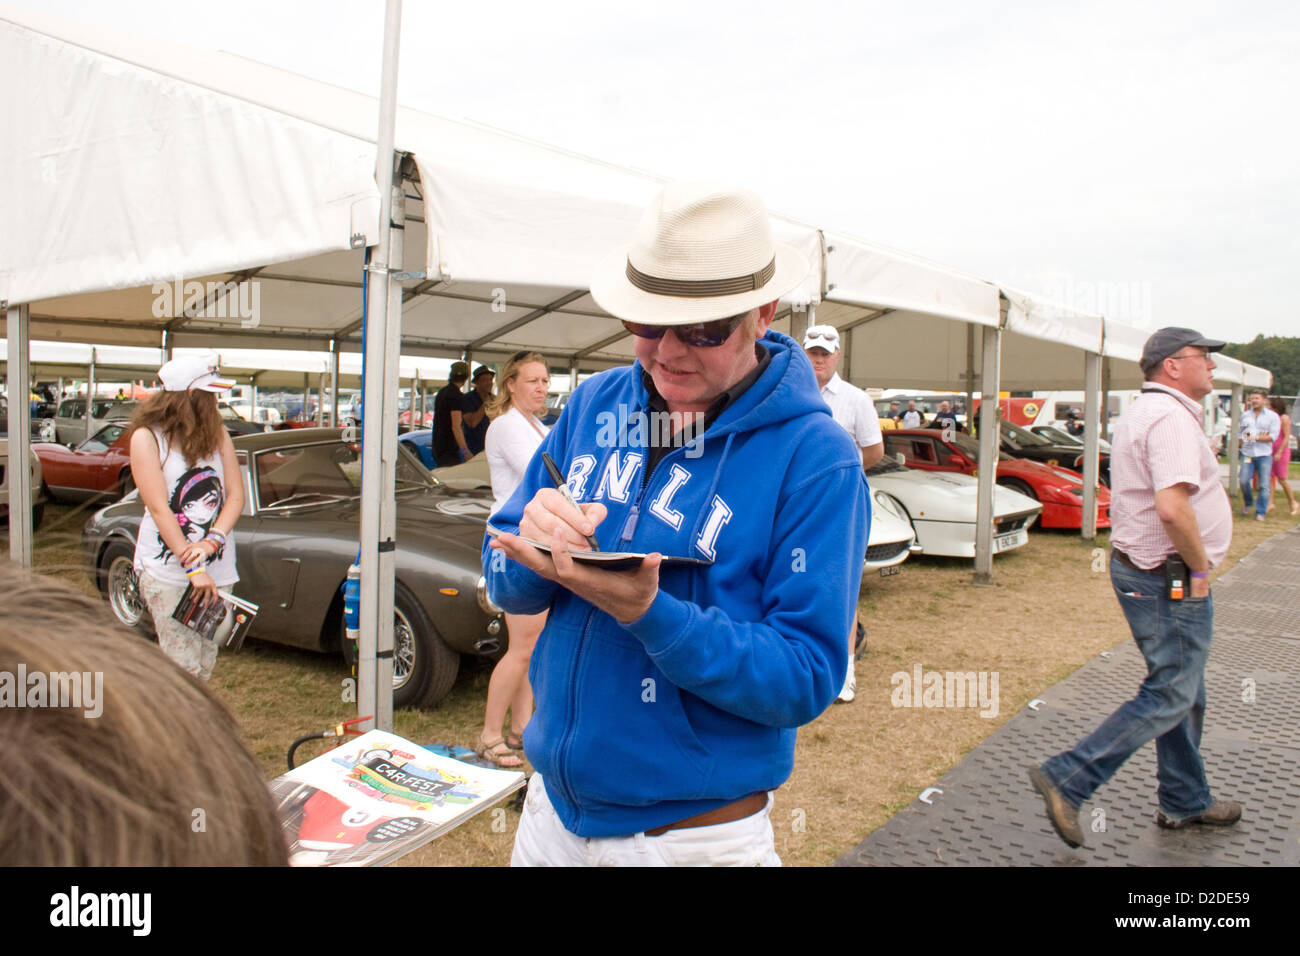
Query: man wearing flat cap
[(1171, 522), (668, 695)]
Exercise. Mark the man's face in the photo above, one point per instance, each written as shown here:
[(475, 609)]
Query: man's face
[(1193, 370), (824, 363), (1256, 401), (943, 406), (911, 406), (691, 377), (483, 385)]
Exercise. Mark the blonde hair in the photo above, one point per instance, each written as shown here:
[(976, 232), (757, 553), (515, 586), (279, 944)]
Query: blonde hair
[(501, 403), (158, 777)]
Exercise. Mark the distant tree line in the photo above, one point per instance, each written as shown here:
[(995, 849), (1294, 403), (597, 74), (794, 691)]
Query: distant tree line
[(1279, 354)]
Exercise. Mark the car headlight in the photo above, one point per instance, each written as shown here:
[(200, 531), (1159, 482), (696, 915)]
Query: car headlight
[(887, 503), (485, 602)]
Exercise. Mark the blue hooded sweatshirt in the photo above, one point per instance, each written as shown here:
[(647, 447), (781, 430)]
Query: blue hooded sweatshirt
[(693, 705)]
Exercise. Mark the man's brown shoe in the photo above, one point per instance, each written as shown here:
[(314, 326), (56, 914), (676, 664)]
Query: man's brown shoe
[(1222, 813), (1064, 818)]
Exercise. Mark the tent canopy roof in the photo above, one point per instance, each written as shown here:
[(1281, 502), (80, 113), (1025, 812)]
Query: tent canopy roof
[(501, 239)]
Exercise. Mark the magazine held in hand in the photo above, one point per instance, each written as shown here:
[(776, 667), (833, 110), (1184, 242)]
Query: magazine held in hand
[(378, 797), (208, 619)]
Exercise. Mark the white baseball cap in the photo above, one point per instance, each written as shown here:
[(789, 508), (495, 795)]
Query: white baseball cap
[(822, 337), (201, 370)]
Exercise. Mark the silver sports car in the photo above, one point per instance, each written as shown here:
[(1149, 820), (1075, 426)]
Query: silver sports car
[(299, 533)]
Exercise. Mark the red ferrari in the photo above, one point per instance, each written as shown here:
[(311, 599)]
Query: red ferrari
[(99, 465), (1059, 489)]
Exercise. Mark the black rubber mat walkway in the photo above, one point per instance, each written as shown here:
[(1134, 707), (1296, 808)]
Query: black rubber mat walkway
[(988, 814)]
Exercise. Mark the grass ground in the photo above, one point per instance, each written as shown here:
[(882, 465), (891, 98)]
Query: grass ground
[(1049, 611)]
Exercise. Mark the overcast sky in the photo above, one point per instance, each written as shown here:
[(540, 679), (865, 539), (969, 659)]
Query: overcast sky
[(1130, 158)]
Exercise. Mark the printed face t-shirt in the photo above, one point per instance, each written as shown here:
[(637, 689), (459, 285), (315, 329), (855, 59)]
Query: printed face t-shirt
[(195, 494)]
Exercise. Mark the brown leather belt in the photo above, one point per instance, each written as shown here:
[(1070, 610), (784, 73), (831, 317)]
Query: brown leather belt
[(744, 807), (1125, 560)]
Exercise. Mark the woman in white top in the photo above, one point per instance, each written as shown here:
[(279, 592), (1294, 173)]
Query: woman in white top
[(512, 438), (184, 464)]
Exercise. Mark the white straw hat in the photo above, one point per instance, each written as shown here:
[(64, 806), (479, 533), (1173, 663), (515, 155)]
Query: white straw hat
[(702, 252)]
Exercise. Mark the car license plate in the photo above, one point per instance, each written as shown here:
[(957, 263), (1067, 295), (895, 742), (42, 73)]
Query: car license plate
[(892, 569), (1015, 539)]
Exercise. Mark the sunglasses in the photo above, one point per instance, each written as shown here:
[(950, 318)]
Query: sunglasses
[(699, 334)]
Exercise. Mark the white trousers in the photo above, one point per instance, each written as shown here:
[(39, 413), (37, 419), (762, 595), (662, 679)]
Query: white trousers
[(542, 840)]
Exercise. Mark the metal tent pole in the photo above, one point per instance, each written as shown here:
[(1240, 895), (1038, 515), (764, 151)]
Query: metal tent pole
[(1092, 420), (334, 383), (375, 659), (970, 377), (989, 438), (90, 392), (1234, 440), (20, 424)]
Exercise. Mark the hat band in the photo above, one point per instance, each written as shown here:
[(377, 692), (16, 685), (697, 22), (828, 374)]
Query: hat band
[(700, 288)]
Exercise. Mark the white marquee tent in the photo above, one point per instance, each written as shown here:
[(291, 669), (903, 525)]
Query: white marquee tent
[(130, 165)]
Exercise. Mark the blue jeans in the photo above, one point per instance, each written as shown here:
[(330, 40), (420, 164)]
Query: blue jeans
[(1174, 637), (1261, 465)]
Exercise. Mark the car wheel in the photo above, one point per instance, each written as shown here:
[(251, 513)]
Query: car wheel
[(1015, 484), (424, 667), (118, 583), (126, 484), (38, 515)]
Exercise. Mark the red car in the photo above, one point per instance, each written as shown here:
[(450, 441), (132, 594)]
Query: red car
[(1059, 489), (100, 465)]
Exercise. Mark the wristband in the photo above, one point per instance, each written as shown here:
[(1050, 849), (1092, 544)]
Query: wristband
[(217, 538), (194, 571), (1200, 574)]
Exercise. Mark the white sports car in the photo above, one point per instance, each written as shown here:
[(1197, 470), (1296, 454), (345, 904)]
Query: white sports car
[(890, 541), (941, 508)]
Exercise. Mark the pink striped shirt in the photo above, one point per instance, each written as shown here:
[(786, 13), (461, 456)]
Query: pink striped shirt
[(1158, 444)]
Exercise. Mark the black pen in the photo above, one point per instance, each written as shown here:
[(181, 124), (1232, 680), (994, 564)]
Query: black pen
[(563, 485)]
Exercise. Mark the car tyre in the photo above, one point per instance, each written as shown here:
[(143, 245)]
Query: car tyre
[(424, 667), (119, 585), (126, 484)]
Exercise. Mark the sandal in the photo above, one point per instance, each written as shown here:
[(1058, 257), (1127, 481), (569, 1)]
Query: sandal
[(499, 752), (515, 741)]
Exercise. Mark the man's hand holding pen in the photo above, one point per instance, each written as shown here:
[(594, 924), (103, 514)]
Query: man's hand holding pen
[(625, 595)]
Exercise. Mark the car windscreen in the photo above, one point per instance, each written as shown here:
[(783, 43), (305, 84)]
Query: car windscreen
[(971, 448), (98, 443), (324, 470), (1022, 436), (1056, 435), (885, 466)]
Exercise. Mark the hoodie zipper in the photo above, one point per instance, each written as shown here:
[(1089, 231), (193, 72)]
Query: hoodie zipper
[(565, 748)]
